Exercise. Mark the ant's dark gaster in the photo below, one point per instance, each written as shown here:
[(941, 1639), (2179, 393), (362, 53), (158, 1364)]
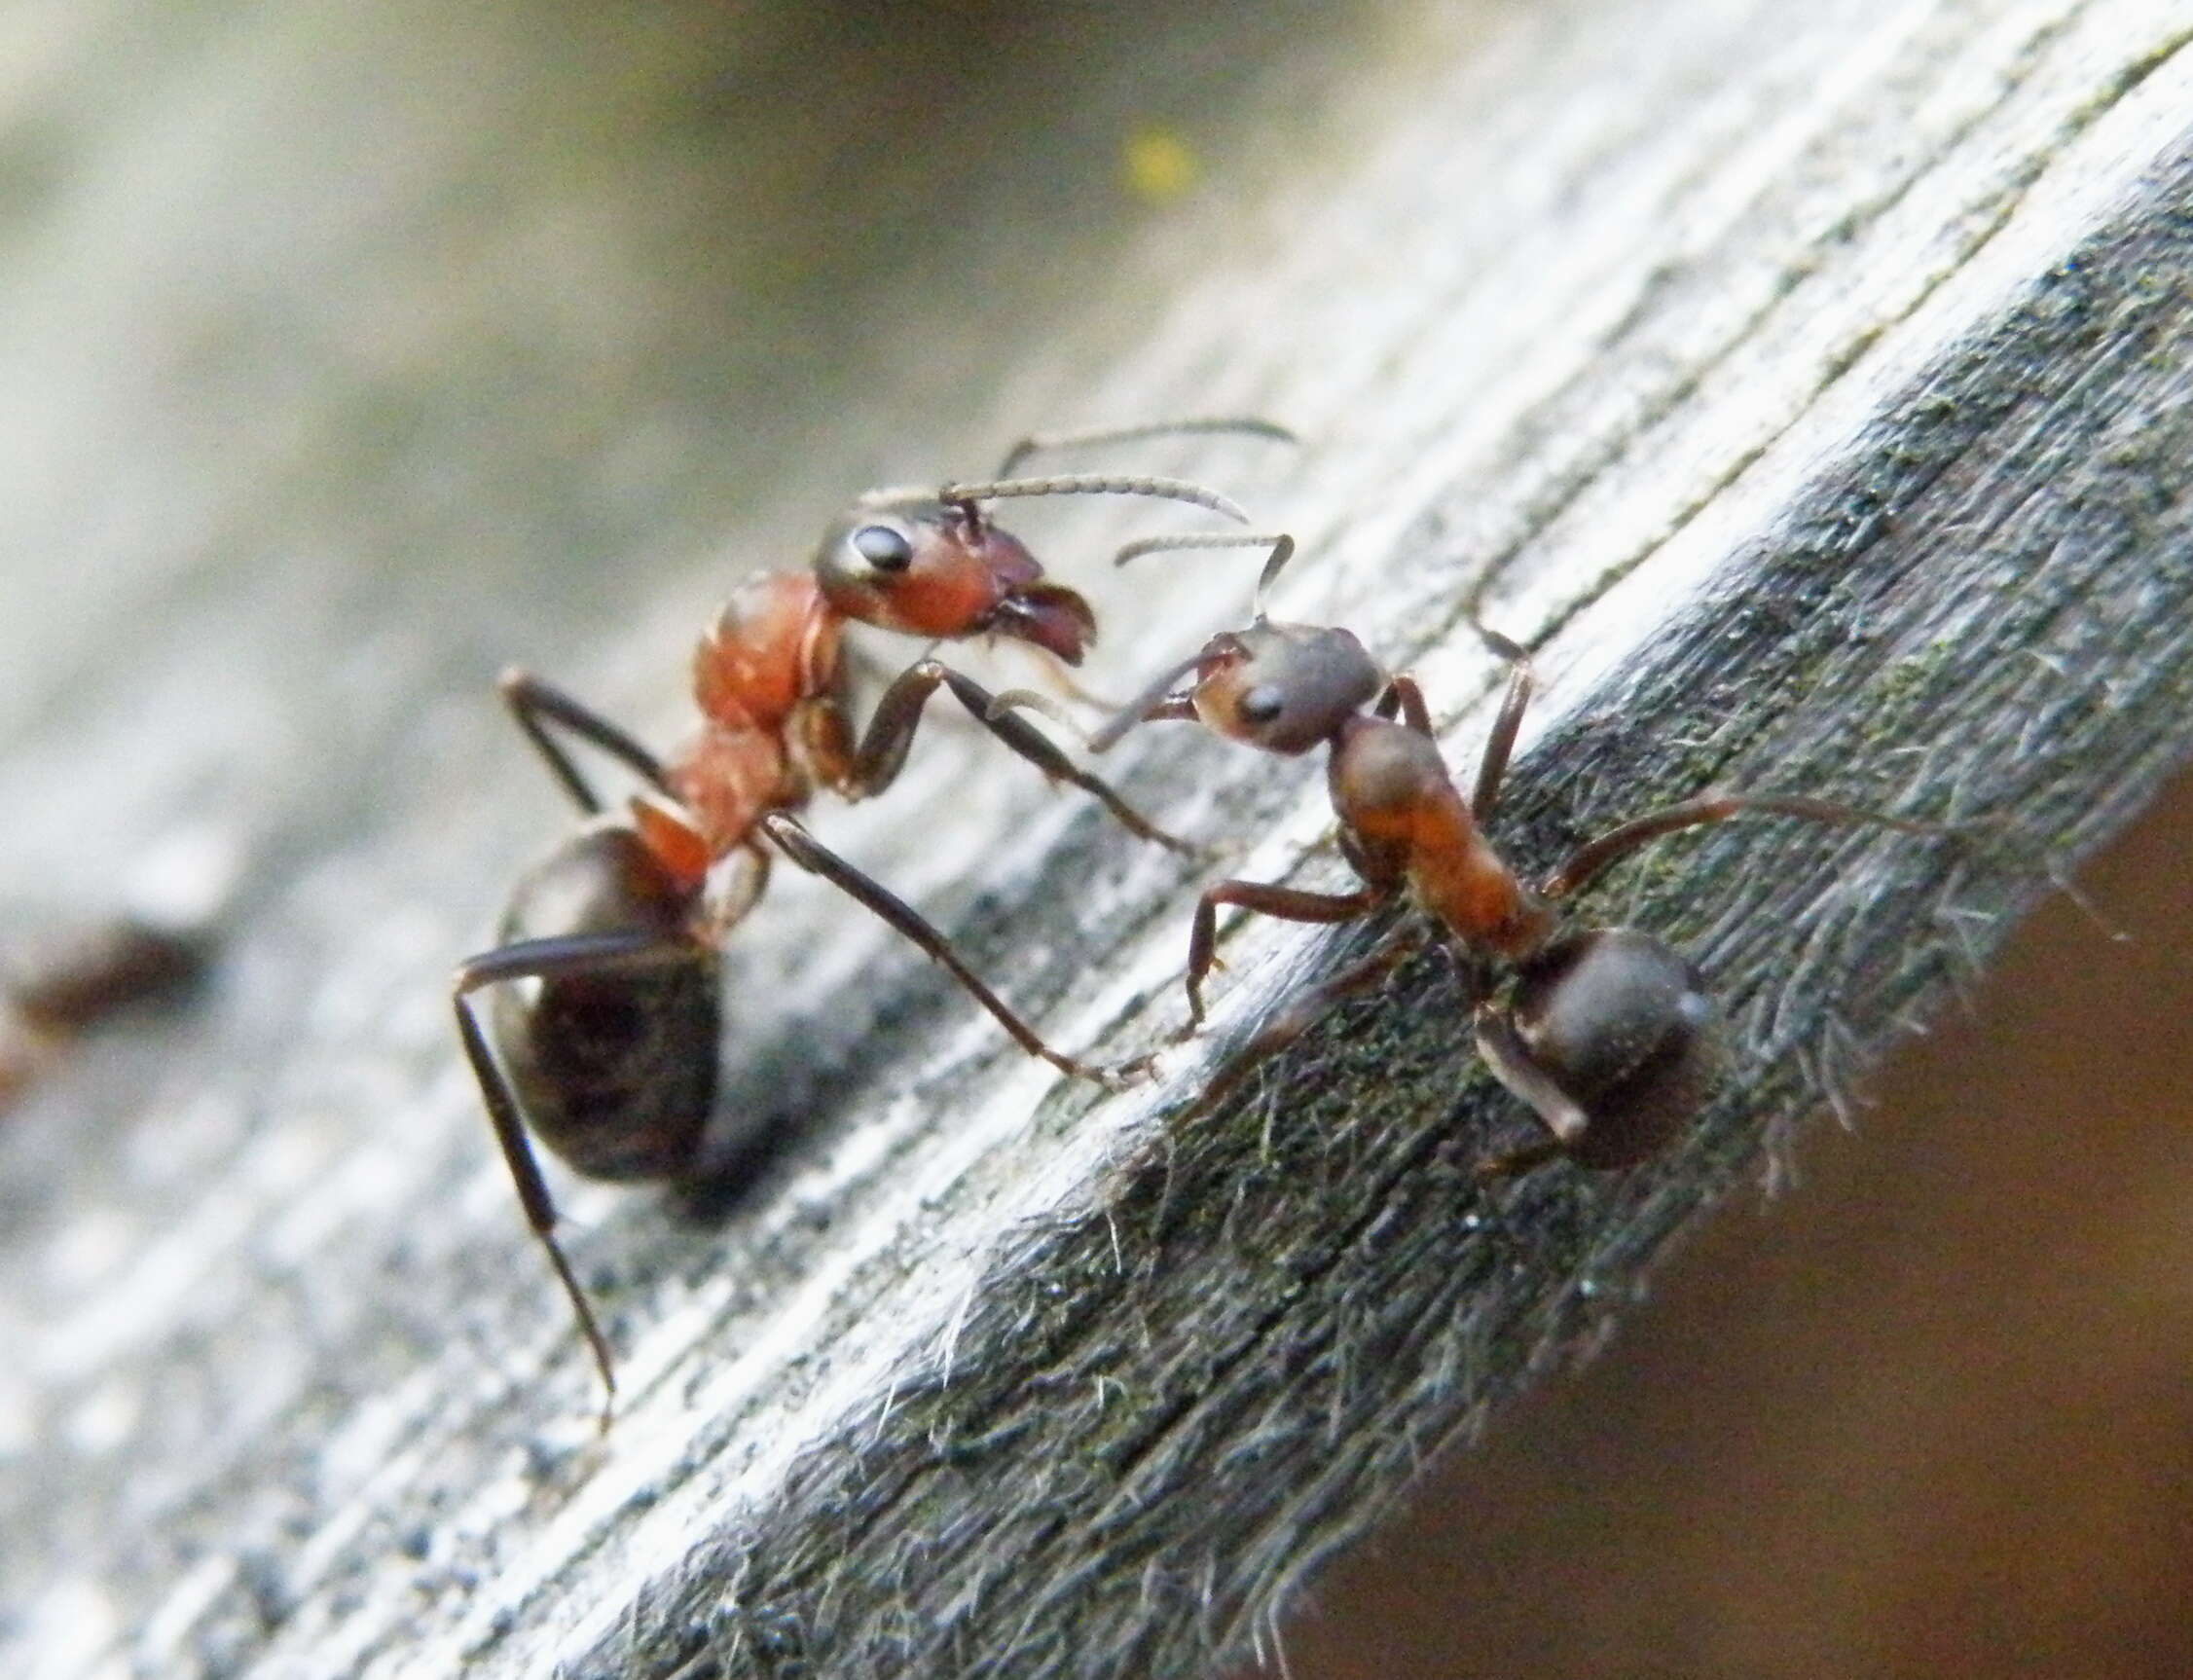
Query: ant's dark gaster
[(1606, 1032), (608, 1053)]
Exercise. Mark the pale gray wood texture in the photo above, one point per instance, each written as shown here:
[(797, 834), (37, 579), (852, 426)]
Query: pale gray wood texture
[(1806, 384)]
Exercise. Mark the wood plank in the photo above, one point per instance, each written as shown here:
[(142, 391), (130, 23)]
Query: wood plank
[(1810, 389)]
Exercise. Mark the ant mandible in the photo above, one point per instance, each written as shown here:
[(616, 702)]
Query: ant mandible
[(1607, 1034), (610, 1056)]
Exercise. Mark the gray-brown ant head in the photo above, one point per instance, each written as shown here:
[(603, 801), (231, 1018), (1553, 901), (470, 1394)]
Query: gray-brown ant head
[(903, 560), (1610, 1036), (1284, 687)]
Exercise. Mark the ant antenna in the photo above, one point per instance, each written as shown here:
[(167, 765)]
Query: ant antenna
[(1282, 551), (1093, 484), (1135, 711), (1138, 708), (1029, 700), (1245, 426)]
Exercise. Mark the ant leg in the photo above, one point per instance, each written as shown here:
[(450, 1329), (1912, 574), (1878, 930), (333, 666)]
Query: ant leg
[(1507, 1163), (535, 705), (1595, 857), (1492, 768), (811, 854), (882, 752), (546, 959), (741, 895), (1404, 697), (1060, 675), (1042, 442), (1287, 903), (1512, 1064), (1301, 1013)]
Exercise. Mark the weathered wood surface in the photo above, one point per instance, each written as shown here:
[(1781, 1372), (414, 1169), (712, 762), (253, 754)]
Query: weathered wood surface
[(1812, 390)]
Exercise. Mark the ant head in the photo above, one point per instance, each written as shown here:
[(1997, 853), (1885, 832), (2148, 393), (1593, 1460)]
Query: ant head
[(904, 559), (1284, 687), (1610, 1034)]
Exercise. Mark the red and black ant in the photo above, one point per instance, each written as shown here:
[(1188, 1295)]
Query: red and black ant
[(609, 1056), (1606, 1032)]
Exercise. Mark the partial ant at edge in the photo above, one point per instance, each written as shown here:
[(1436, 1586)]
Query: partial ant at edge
[(64, 977), (76, 982), (609, 1055)]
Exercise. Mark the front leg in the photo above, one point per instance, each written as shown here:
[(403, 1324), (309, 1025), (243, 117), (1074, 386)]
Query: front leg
[(1288, 903), (882, 752), (1300, 1013), (1492, 768)]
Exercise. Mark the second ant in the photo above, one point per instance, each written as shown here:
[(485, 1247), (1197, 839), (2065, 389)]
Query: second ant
[(1607, 1034)]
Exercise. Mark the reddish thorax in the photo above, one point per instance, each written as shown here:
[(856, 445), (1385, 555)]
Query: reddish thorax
[(771, 654), (773, 645), (1392, 790)]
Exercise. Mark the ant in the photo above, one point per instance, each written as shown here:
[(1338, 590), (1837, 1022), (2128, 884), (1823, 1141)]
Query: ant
[(1607, 1034), (75, 982), (609, 1055)]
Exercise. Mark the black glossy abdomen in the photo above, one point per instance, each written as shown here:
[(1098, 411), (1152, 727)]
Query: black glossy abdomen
[(614, 1068), (1621, 1023), (616, 1072)]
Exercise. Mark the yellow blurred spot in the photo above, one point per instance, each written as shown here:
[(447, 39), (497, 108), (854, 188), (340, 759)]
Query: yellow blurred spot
[(1157, 166)]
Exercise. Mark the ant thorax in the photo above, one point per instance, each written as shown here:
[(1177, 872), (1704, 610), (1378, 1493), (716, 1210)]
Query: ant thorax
[(774, 644), (1412, 827), (768, 679), (725, 778)]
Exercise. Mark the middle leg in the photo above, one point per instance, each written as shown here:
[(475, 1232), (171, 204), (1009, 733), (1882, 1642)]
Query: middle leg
[(1300, 1013), (1287, 903), (1595, 856), (535, 705)]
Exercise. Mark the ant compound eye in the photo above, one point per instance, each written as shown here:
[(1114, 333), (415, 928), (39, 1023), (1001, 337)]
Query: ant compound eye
[(883, 547), (1262, 704)]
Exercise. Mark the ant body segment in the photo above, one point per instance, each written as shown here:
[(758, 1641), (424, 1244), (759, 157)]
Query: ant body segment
[(1607, 1034), (609, 1053)]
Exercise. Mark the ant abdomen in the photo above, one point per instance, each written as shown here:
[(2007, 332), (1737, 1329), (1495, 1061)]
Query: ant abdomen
[(615, 1065), (1610, 1035)]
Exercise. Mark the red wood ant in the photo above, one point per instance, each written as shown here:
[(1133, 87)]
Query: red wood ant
[(611, 1054), (1605, 1033)]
